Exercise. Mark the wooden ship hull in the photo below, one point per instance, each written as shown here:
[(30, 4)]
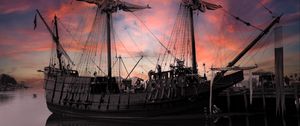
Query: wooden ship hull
[(72, 95)]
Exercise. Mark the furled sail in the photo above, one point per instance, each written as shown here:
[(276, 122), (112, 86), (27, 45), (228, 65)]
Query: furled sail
[(116, 4), (129, 7), (98, 2), (202, 5), (208, 6)]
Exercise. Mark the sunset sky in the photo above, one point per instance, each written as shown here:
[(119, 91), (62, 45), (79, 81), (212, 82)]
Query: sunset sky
[(219, 37)]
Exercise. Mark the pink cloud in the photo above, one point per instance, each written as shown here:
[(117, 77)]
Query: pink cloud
[(290, 18), (8, 7)]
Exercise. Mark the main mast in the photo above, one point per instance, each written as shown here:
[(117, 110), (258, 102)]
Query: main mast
[(108, 16), (109, 7), (194, 57)]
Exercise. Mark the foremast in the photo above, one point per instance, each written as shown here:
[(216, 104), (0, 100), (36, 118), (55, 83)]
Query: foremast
[(55, 36)]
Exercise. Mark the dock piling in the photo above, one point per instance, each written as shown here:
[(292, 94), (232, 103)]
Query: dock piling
[(228, 100), (296, 97), (245, 101), (263, 96)]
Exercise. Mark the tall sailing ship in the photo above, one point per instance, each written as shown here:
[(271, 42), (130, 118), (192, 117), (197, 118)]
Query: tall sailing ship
[(177, 90)]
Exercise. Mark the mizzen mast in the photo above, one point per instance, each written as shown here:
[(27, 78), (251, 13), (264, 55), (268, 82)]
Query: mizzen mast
[(195, 5)]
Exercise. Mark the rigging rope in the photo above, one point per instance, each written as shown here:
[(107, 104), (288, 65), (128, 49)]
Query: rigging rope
[(124, 66), (133, 41), (114, 39), (123, 45), (241, 20), (267, 9), (91, 45), (180, 39), (136, 45), (259, 49), (151, 32)]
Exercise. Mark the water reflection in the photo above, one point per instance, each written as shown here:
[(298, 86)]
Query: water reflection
[(5, 98), (55, 120), (259, 120), (28, 108), (232, 120), (20, 108)]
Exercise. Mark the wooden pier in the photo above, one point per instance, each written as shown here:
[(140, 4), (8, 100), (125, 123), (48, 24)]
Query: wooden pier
[(236, 99)]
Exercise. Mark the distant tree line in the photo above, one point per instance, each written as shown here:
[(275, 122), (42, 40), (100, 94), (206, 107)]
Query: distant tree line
[(7, 80)]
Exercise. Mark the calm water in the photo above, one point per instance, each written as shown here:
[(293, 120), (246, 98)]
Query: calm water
[(22, 108)]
